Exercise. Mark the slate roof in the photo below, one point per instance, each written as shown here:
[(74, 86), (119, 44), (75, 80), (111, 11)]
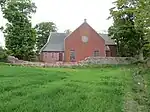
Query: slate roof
[(108, 40), (55, 41)]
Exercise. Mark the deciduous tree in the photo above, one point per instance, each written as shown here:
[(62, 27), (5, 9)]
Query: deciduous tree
[(43, 31), (20, 37), (3, 54), (128, 30)]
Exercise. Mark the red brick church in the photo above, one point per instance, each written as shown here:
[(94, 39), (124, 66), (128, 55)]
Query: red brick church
[(76, 46)]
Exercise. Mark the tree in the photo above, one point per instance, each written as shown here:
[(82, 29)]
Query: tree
[(19, 35), (68, 31), (142, 22), (1, 28), (130, 39), (3, 54), (43, 31)]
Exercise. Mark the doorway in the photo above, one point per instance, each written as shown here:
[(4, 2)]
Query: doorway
[(60, 56)]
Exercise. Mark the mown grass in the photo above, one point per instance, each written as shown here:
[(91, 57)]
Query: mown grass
[(24, 89), (147, 78)]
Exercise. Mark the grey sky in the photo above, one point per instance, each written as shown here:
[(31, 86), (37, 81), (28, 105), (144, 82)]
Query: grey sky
[(69, 14)]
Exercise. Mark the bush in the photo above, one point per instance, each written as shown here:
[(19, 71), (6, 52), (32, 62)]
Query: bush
[(97, 66), (3, 55)]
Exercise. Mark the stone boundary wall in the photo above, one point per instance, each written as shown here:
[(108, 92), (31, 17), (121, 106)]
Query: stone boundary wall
[(86, 61), (107, 60), (16, 61)]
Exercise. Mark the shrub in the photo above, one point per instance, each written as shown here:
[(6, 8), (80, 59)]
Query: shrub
[(3, 55)]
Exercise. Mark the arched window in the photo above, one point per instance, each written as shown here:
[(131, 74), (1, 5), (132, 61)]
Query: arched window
[(96, 53)]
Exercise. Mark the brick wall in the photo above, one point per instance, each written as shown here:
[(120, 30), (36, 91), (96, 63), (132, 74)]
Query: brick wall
[(84, 49), (113, 50), (51, 57)]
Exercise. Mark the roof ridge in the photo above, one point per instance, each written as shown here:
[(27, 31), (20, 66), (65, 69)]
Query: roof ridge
[(58, 33)]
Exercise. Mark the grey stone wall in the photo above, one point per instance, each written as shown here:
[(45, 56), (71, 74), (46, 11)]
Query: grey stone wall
[(86, 61), (12, 59), (106, 60)]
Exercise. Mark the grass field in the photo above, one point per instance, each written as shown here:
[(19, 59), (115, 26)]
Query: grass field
[(24, 89), (148, 86)]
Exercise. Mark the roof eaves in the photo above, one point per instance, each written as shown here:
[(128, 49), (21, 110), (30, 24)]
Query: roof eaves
[(111, 43), (46, 42)]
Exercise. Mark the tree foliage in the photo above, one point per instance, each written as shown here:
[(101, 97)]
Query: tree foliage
[(68, 31), (142, 21), (43, 31), (3, 54), (19, 35), (129, 28)]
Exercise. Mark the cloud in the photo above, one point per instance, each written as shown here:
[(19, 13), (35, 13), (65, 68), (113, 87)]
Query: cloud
[(69, 14)]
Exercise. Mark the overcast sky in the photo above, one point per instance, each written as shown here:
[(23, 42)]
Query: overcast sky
[(69, 14)]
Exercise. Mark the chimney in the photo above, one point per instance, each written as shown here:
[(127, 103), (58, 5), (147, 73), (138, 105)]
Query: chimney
[(85, 20)]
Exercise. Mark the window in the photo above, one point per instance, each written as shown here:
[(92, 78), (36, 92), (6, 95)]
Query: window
[(84, 39), (52, 55), (72, 55), (45, 55), (96, 53)]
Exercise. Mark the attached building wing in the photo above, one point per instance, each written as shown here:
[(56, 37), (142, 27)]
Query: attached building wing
[(108, 40)]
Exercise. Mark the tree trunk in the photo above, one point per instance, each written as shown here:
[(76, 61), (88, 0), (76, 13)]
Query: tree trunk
[(118, 49), (141, 55)]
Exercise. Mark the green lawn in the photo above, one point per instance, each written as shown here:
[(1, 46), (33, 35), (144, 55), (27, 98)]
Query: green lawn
[(24, 89), (148, 85)]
